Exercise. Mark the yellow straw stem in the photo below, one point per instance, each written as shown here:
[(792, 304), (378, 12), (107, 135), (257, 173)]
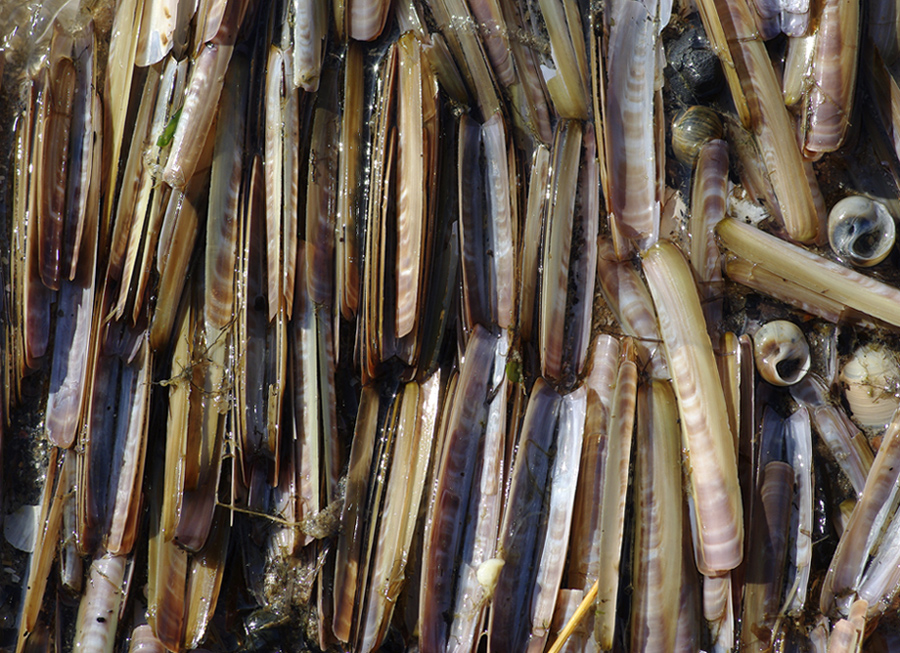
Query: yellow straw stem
[(576, 619)]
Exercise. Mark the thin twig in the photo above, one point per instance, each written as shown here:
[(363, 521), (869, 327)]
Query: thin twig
[(576, 619)]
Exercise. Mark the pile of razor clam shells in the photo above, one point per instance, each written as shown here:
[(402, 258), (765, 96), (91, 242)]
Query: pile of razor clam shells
[(467, 325)]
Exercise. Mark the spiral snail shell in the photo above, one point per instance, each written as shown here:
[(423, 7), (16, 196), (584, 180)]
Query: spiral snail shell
[(781, 352), (691, 129), (861, 230)]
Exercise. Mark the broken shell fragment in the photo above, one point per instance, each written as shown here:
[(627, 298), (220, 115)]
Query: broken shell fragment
[(871, 381), (861, 230), (781, 352)]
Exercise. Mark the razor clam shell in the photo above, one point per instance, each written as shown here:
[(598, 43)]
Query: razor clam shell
[(290, 183), (135, 200), (453, 487), (708, 200), (499, 22), (36, 297), (167, 569), (376, 500), (352, 515), (755, 82), (204, 581), (536, 206), (417, 128), (568, 86), (46, 539), (796, 67), (557, 251), (350, 206), (783, 289), (494, 34), (568, 275), (876, 502), (476, 301), (274, 164), (71, 347), (117, 90), (563, 481), (485, 505), (614, 492), (567, 605), (320, 202), (225, 182), (522, 523), (497, 182), (688, 631), (71, 563), (767, 552), (467, 53), (54, 171), (634, 201), (366, 18), (156, 32), (177, 425), (144, 641), (200, 104), (411, 459), (833, 77), (209, 17), (848, 634), (627, 296), (658, 517), (718, 609), (848, 445), (584, 558), (173, 258), (114, 446), (824, 277), (768, 17), (798, 436), (883, 23), (701, 402), (881, 580), (98, 612), (310, 29)]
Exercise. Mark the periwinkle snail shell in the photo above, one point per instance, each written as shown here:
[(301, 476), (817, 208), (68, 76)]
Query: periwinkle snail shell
[(781, 353), (861, 230), (691, 129)]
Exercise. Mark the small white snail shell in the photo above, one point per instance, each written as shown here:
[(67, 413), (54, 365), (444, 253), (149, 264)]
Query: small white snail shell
[(871, 381), (781, 352), (861, 230)]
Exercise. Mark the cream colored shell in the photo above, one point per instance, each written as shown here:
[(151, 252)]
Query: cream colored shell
[(861, 231), (781, 353), (871, 382)]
